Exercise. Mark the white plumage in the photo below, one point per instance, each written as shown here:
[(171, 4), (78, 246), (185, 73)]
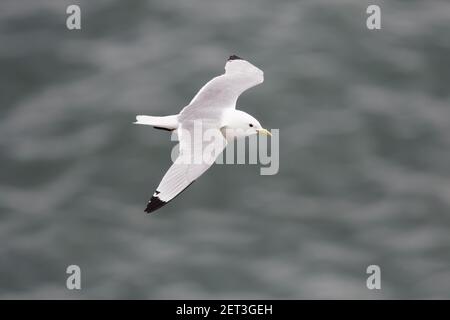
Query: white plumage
[(212, 110)]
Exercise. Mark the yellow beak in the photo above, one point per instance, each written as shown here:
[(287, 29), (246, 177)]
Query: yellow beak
[(264, 132)]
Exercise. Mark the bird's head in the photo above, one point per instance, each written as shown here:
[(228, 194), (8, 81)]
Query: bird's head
[(241, 124)]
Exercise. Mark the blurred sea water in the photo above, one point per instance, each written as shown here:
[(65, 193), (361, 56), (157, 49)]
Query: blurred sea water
[(364, 119)]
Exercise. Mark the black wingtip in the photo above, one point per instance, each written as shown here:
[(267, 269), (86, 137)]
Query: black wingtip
[(161, 128), (154, 204), (234, 57)]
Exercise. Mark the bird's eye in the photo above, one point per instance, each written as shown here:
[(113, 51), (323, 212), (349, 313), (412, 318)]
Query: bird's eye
[(251, 125)]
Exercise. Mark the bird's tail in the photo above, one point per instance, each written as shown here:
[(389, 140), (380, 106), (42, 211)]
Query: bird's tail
[(165, 123)]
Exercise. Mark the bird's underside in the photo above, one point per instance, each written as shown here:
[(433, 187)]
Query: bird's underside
[(211, 102), (187, 167)]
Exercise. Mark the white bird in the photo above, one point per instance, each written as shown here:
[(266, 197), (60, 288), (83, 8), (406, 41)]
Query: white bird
[(214, 108)]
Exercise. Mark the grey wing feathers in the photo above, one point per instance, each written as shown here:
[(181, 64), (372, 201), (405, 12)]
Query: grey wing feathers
[(223, 91)]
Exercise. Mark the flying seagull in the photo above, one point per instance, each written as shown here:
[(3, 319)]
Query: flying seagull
[(214, 108)]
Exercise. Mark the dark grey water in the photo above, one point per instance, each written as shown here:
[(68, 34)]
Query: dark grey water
[(364, 119)]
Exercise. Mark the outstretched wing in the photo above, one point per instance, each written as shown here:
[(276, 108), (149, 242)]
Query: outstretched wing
[(194, 159), (223, 91)]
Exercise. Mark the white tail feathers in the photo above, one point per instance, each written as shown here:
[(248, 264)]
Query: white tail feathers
[(167, 122)]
